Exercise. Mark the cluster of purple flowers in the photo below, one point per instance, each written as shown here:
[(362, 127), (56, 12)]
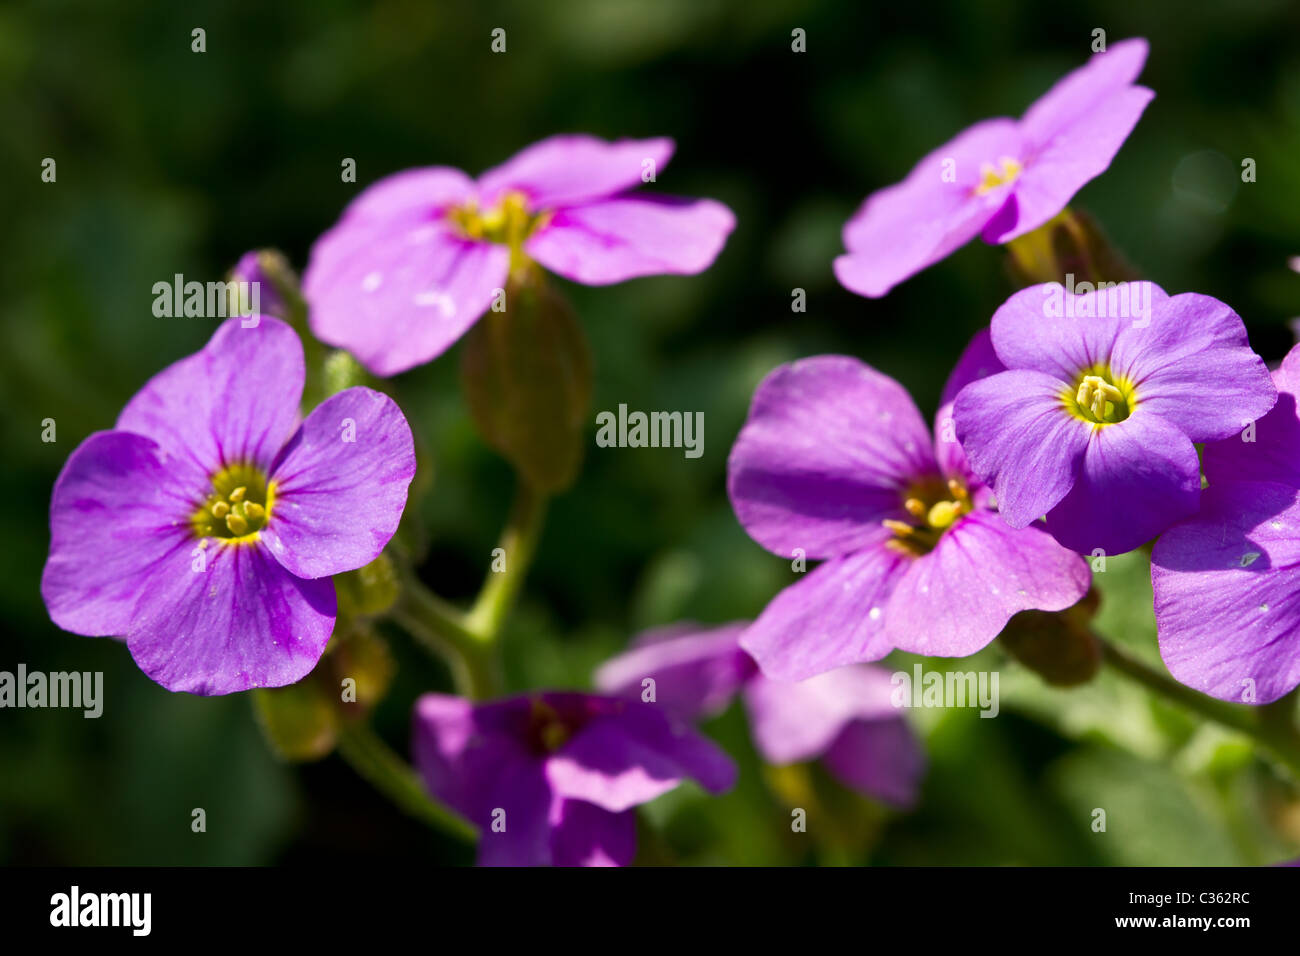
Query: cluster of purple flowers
[(205, 527)]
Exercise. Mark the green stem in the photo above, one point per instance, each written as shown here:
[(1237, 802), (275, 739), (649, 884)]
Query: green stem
[(1271, 725), (372, 759), (518, 542), (440, 628)]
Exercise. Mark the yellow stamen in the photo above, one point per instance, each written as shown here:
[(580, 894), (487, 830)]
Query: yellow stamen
[(958, 490), (900, 528), (237, 495), (253, 511), (236, 523), (944, 513), (915, 507), (220, 510)]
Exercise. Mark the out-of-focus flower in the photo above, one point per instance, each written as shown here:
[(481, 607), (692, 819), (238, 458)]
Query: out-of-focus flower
[(552, 778), (999, 179), (420, 255), (844, 718)]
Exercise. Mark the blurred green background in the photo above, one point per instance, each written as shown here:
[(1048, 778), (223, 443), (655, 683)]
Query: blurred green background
[(171, 161)]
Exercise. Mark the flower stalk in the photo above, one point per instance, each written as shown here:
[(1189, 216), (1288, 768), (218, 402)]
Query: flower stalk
[(373, 760), (1271, 725)]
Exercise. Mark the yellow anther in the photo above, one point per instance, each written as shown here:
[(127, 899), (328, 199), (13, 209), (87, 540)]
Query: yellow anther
[(237, 495), (943, 514), (901, 528), (958, 490), (236, 523), (253, 511), (915, 507), (220, 510)]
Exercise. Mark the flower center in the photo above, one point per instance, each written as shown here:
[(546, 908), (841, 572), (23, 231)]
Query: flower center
[(508, 223), (238, 507), (548, 729), (1099, 397), (991, 177), (934, 507)]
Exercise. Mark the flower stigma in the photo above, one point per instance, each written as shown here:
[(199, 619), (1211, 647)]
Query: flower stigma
[(1099, 397)]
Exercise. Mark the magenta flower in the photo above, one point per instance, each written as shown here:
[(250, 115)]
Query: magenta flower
[(999, 179), (551, 778), (420, 255), (1226, 579), (1093, 422), (205, 526), (844, 718), (836, 464)]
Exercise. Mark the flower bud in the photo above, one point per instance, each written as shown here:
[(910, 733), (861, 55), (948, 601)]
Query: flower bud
[(1058, 646), (526, 376)]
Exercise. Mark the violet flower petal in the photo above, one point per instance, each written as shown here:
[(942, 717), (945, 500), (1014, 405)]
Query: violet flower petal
[(955, 600), (1137, 478), (116, 517), (235, 401), (569, 169), (244, 622), (832, 617), (828, 448), (1227, 593), (612, 240), (1017, 434), (340, 485)]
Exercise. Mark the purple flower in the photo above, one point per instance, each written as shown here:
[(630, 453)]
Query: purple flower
[(204, 528), (1226, 580), (420, 255), (836, 464), (551, 778), (844, 717), (1093, 422), (1000, 178)]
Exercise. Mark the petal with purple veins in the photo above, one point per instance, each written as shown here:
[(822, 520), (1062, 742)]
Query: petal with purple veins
[(1274, 452), (1019, 438), (955, 600), (1137, 478), (832, 617), (340, 485), (241, 623), (233, 402), (827, 452), (117, 517), (1227, 593)]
